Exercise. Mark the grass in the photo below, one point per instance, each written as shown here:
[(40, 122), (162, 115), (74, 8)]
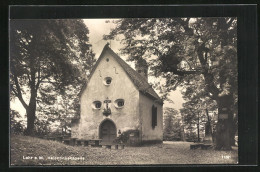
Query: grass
[(166, 153)]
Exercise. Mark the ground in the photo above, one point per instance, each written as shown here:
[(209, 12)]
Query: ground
[(23, 148)]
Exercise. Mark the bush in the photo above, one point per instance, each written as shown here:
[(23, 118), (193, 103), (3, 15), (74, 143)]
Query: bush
[(16, 126), (172, 136), (126, 138), (191, 137)]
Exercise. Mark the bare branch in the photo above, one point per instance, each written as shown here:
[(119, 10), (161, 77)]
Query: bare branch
[(182, 73), (49, 82)]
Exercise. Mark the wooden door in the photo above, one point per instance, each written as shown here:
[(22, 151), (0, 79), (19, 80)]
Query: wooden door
[(108, 132)]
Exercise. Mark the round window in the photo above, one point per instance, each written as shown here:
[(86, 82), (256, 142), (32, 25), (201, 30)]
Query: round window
[(119, 103), (107, 80), (96, 105)]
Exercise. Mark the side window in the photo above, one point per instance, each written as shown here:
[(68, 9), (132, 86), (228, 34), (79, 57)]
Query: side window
[(154, 116)]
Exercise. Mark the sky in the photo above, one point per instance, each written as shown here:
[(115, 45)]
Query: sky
[(98, 28)]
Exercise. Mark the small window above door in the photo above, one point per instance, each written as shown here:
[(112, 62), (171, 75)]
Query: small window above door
[(107, 81)]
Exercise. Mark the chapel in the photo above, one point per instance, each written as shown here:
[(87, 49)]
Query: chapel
[(118, 99)]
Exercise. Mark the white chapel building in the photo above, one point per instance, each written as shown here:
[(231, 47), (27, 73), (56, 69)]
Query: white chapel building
[(118, 99)]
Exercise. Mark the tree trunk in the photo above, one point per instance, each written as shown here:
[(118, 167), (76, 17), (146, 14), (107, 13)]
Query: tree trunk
[(223, 136), (30, 121), (233, 129), (182, 129), (198, 128), (30, 112), (225, 118), (225, 114), (182, 133), (208, 131)]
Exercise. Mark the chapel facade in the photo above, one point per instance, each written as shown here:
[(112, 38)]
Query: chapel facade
[(118, 99)]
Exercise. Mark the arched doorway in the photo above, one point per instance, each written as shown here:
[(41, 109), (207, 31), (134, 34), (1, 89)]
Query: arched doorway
[(107, 131)]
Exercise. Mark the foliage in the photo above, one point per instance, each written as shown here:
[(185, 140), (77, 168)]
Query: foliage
[(45, 57), (41, 127), (172, 130), (191, 137), (178, 47), (187, 51), (16, 126), (60, 114), (124, 136), (195, 111)]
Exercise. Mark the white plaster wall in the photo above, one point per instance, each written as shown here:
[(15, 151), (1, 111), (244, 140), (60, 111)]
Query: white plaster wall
[(121, 87), (148, 133)]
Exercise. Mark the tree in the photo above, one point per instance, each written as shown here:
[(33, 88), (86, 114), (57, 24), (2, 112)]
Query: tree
[(44, 58), (197, 107), (172, 129), (65, 106), (181, 49), (193, 114)]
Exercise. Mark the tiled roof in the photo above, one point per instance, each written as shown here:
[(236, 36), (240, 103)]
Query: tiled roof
[(139, 81)]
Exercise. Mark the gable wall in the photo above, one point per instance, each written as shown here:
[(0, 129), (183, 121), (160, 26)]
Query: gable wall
[(121, 87)]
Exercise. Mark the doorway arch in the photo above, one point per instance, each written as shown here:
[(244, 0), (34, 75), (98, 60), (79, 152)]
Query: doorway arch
[(107, 131)]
